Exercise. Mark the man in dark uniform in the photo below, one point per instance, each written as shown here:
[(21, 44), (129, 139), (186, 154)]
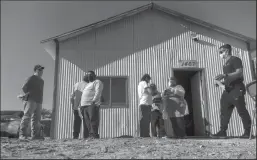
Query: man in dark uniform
[(233, 94)]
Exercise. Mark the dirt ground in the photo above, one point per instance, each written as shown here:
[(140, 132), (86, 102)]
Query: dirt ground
[(130, 148)]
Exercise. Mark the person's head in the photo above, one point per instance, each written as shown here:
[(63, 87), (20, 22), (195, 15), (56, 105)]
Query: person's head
[(172, 81), (38, 70), (225, 51), (91, 76), (153, 88), (85, 78), (146, 77)]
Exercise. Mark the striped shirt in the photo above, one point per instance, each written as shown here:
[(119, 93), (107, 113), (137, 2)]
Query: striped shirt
[(157, 101)]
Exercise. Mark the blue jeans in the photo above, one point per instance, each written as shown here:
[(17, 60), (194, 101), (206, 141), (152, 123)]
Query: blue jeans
[(32, 113)]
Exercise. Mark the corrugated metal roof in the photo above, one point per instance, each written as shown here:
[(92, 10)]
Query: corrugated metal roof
[(144, 8)]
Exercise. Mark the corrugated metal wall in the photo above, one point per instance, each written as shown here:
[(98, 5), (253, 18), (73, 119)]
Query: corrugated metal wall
[(146, 43)]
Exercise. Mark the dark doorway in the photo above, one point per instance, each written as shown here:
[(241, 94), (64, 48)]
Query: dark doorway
[(191, 81)]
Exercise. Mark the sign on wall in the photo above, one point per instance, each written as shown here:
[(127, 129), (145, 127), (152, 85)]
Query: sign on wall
[(188, 63)]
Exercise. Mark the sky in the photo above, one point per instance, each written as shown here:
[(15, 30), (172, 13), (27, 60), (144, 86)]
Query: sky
[(25, 23)]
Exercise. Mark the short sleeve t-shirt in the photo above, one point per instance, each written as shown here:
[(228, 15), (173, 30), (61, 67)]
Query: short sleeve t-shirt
[(231, 66), (144, 98)]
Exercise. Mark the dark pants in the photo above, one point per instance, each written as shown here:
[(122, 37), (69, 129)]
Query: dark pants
[(178, 125), (76, 124), (91, 120), (229, 100), (145, 120), (157, 122)]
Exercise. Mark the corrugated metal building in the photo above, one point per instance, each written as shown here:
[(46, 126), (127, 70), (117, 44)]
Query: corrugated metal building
[(149, 39)]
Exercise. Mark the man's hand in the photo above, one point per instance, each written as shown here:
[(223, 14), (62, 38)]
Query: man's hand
[(220, 77), (222, 86), (93, 103)]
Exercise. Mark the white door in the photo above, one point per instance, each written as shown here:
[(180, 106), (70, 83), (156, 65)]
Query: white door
[(198, 108)]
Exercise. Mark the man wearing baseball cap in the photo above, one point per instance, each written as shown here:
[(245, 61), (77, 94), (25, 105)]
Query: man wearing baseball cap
[(33, 90)]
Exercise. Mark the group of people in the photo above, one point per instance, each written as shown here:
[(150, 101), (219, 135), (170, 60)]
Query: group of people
[(154, 106)]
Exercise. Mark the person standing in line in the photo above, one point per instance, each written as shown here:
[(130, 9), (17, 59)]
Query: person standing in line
[(233, 92), (175, 107), (33, 90), (156, 114), (75, 103), (145, 102), (90, 104)]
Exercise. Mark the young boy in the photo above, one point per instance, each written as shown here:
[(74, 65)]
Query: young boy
[(156, 115)]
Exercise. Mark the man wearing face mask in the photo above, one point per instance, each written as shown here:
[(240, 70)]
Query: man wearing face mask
[(233, 94), (90, 105)]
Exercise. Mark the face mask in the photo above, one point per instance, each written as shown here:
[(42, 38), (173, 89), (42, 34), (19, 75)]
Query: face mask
[(91, 78), (223, 55)]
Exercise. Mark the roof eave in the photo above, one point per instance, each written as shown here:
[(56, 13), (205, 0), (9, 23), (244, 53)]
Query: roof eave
[(151, 6), (204, 24), (101, 23)]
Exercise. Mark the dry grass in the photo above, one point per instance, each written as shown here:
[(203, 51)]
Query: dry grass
[(130, 148)]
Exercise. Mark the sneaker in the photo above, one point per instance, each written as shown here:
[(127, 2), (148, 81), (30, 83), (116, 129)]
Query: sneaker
[(220, 134)]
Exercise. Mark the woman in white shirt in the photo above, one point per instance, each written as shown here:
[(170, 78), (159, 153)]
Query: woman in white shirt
[(145, 102)]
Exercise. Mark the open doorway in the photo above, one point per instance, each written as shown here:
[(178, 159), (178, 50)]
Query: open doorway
[(191, 81)]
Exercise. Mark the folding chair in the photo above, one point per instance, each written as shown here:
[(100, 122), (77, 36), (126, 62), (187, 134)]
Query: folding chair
[(251, 90)]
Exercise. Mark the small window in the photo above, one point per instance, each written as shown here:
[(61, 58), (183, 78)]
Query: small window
[(114, 92)]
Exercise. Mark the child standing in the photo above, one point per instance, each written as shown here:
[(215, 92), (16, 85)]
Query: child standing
[(156, 115)]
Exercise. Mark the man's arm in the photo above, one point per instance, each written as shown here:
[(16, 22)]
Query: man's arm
[(72, 96), (98, 90), (25, 87), (235, 75), (238, 66)]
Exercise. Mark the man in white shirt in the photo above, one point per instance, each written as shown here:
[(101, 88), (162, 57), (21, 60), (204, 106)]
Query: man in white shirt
[(90, 104), (75, 103), (145, 102)]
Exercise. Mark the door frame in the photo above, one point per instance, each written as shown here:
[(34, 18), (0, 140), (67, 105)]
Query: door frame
[(205, 100)]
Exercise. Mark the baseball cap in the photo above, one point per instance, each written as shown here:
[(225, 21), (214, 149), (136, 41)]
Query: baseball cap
[(37, 67)]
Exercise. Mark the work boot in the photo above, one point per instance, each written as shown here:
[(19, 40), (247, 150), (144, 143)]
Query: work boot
[(220, 134), (246, 134), (75, 135)]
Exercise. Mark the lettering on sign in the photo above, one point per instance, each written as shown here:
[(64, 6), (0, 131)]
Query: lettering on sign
[(188, 63)]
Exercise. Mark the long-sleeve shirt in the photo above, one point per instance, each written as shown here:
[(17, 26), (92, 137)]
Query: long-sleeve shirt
[(174, 101), (92, 93), (77, 93), (34, 88)]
